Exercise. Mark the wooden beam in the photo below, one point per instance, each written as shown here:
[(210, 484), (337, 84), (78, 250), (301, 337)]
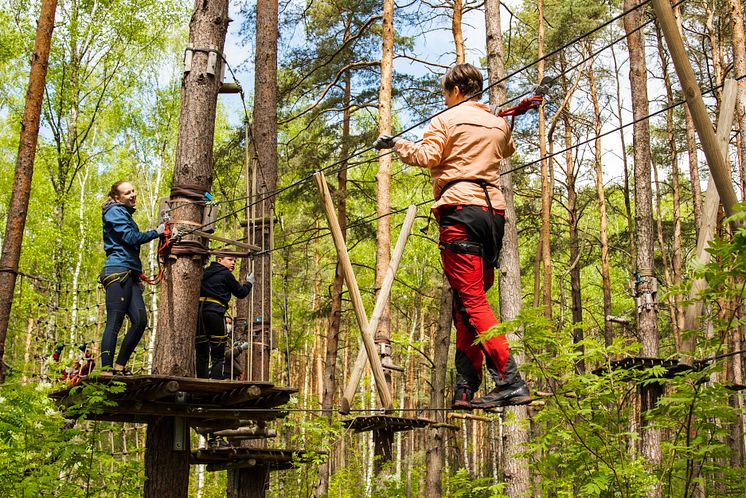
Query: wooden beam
[(357, 300), (383, 297), (236, 243), (709, 220), (702, 123)]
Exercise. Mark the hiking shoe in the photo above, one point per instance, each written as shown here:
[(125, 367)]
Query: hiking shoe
[(515, 394), (462, 397), (217, 443)]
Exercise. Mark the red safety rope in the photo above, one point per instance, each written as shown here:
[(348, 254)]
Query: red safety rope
[(165, 243)]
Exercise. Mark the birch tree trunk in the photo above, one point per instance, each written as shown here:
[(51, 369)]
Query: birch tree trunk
[(166, 470), (516, 469), (19, 198)]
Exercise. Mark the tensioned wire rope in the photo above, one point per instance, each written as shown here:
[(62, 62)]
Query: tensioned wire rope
[(345, 160), (374, 216)]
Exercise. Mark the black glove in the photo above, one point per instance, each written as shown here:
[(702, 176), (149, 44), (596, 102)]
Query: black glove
[(385, 142)]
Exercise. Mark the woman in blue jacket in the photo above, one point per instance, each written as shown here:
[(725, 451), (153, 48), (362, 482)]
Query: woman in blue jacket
[(121, 276)]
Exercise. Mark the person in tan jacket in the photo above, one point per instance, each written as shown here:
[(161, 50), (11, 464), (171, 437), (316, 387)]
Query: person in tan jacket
[(462, 147)]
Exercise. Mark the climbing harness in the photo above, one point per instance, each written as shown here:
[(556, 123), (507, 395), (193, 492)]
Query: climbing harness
[(214, 301)]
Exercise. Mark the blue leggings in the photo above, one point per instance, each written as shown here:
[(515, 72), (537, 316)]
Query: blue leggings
[(123, 298)]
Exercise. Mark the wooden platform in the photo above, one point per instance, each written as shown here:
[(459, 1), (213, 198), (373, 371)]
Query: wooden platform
[(395, 424), (236, 458), (673, 367), (223, 404)]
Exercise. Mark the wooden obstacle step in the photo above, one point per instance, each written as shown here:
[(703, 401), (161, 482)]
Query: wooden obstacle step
[(236, 458), (138, 398), (640, 364), (386, 422)]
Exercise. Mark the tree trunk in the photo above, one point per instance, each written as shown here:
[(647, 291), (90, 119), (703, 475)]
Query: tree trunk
[(645, 287), (739, 68), (623, 147), (435, 453), (458, 34), (546, 189), (251, 482), (335, 313), (602, 218), (516, 471), (677, 310), (166, 470), (383, 439), (19, 198)]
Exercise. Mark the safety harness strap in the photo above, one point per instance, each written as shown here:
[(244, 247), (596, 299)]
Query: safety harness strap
[(213, 300)]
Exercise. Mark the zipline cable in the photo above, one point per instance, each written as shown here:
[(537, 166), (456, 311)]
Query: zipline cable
[(368, 218), (325, 169)]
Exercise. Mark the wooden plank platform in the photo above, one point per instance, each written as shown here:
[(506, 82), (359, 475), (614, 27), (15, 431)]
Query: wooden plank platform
[(391, 422), (673, 367), (236, 458), (139, 397)]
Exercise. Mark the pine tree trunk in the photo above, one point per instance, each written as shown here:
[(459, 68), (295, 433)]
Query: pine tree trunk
[(602, 223), (458, 34), (335, 312), (735, 13), (516, 469), (250, 482), (546, 184), (435, 452), (19, 198), (645, 287), (166, 470), (383, 178), (623, 147)]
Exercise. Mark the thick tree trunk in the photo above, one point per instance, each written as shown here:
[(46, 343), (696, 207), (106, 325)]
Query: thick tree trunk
[(166, 470), (19, 198), (646, 283), (250, 482), (516, 469), (603, 232)]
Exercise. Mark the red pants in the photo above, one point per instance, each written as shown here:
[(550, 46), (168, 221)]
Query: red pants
[(472, 313)]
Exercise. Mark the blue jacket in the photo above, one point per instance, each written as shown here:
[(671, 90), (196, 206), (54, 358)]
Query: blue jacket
[(122, 238), (219, 283)]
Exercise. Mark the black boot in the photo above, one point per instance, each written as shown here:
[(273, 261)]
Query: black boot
[(462, 396), (217, 442), (510, 388)]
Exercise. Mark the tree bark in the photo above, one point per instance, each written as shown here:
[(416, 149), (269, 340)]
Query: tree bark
[(252, 482), (735, 13), (546, 184), (646, 284), (458, 34), (516, 471), (335, 313), (435, 453), (19, 198), (602, 217), (166, 470)]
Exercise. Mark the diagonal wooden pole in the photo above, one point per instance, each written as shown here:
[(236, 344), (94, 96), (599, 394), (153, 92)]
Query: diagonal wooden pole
[(709, 219), (700, 116), (357, 300), (383, 297)]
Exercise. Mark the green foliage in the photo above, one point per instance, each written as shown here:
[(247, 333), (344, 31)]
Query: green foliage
[(42, 454)]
